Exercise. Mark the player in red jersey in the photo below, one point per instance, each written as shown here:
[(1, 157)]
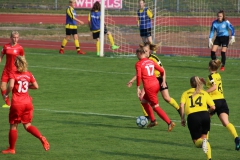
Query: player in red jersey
[(11, 50), (21, 110), (145, 73)]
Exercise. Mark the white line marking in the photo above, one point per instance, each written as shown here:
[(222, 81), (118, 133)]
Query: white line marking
[(108, 115)]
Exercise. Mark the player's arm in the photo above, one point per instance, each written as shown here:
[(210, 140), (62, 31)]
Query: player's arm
[(9, 89), (89, 20), (181, 110), (138, 77), (212, 30), (33, 85), (2, 54), (210, 103), (71, 15), (160, 69), (230, 26), (213, 87), (129, 84), (149, 13), (232, 32)]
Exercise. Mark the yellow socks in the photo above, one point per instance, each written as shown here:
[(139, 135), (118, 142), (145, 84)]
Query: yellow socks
[(208, 135), (198, 144), (111, 39), (98, 47), (144, 112), (174, 103), (64, 43), (232, 130), (76, 42)]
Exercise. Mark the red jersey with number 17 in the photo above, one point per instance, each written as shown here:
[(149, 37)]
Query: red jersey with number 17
[(145, 72), (11, 53), (20, 90)]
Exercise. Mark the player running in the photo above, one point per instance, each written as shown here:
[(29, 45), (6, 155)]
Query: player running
[(162, 80), (21, 110), (215, 89), (11, 50), (94, 25), (194, 103), (145, 73), (221, 26), (71, 28)]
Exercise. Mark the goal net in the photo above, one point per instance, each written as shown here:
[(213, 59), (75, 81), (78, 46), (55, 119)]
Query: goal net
[(182, 27)]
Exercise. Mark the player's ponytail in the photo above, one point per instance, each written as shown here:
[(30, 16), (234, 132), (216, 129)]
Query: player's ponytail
[(214, 64), (197, 84), (21, 63)]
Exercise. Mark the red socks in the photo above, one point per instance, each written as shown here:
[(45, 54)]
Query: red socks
[(34, 131), (149, 111), (162, 114), (12, 137)]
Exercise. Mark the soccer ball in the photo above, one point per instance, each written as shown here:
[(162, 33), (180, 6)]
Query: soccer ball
[(141, 121)]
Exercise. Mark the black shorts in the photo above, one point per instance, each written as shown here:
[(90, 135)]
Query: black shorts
[(221, 107), (160, 80), (221, 41), (96, 35), (145, 32), (198, 124), (71, 31)]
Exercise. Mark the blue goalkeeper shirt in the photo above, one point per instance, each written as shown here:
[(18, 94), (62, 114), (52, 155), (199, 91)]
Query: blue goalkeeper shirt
[(221, 28)]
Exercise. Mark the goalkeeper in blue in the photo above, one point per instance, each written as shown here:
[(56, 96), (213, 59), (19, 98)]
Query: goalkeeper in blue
[(221, 26)]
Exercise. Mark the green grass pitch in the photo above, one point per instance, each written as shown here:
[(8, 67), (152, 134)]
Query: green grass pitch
[(87, 112)]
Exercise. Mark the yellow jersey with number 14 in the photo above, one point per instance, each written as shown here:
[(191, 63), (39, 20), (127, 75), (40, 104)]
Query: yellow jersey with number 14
[(196, 103)]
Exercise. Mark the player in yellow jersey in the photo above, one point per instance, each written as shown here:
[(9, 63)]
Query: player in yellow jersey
[(215, 90), (71, 28), (162, 80), (194, 103), (94, 25)]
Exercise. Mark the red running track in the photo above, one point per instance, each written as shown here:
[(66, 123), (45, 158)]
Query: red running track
[(60, 19)]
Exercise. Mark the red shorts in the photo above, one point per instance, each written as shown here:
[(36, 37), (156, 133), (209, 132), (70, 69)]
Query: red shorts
[(5, 76), (151, 94), (22, 113)]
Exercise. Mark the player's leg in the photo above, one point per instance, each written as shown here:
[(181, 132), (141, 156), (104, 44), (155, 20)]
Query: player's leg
[(223, 59), (76, 42), (110, 38), (213, 52), (98, 46), (153, 99), (225, 122), (224, 42), (170, 100), (3, 91), (4, 81), (65, 40), (12, 138), (26, 119)]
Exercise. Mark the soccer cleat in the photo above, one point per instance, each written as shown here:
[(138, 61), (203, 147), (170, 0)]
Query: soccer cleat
[(237, 144), (80, 52), (115, 47), (152, 124), (61, 51), (222, 68), (98, 53), (8, 151), (5, 106), (170, 126), (45, 143), (204, 145)]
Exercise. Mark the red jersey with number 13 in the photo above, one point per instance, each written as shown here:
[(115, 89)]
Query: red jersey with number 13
[(20, 90), (145, 72), (11, 53)]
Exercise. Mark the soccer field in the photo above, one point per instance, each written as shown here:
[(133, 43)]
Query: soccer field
[(87, 112)]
